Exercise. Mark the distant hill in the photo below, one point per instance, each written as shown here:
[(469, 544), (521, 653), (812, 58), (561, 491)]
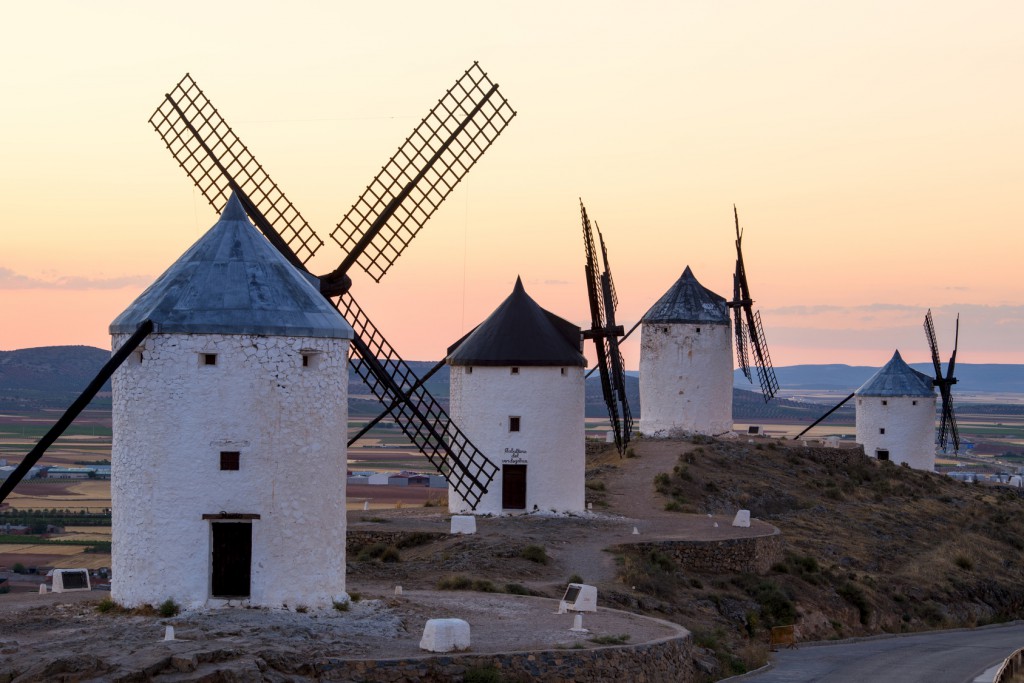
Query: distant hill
[(52, 376), (49, 376), (974, 377)]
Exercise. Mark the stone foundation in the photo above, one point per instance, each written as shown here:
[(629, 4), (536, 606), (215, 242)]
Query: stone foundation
[(734, 555), (670, 659)]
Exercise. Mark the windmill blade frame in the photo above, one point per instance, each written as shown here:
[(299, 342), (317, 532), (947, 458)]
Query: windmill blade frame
[(933, 343), (753, 334), (435, 157), (618, 373), (948, 428), (604, 333), (195, 132), (417, 413)]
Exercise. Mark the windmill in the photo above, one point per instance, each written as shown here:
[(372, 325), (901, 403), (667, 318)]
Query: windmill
[(747, 325), (605, 334), (375, 232), (947, 426)]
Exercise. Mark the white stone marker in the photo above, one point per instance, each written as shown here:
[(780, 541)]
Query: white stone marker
[(366, 505), (67, 580), (42, 589), (398, 590), (463, 524), (742, 518), (445, 635), (577, 624), (636, 532), (169, 633)]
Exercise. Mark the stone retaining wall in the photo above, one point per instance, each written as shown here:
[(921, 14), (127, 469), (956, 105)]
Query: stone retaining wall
[(734, 555), (669, 659)]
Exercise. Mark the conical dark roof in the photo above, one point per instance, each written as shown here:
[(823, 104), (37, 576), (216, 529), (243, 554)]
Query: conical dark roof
[(688, 301), (232, 281), (896, 378), (520, 332)]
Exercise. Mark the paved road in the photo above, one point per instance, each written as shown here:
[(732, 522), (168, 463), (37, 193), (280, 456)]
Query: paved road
[(940, 657)]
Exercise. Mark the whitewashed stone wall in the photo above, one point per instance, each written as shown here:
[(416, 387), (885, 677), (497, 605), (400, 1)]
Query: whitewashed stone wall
[(909, 424), (685, 379), (173, 415), (551, 439)]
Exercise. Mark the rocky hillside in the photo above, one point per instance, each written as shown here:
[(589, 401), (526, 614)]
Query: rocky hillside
[(870, 548)]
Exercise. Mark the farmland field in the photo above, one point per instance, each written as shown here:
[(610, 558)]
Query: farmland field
[(994, 424)]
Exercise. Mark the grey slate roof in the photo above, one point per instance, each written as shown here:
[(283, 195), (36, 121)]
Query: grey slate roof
[(688, 301), (232, 281), (520, 332), (896, 378)]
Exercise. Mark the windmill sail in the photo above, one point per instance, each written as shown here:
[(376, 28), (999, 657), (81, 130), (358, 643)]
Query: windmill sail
[(605, 333), (422, 173), (217, 161), (420, 417), (948, 429), (440, 151), (749, 330)]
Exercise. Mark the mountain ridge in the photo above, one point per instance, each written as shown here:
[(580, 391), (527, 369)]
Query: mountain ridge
[(52, 376)]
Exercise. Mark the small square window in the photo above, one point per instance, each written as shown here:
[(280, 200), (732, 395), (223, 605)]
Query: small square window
[(513, 423), (698, 330), (230, 460), (881, 430), (913, 403), (563, 372), (469, 369), (515, 371), (138, 357), (305, 360), (209, 359), (885, 403)]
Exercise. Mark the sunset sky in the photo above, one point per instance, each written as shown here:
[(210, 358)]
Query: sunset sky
[(874, 149)]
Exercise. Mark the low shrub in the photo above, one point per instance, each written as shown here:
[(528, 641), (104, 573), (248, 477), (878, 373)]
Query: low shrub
[(169, 608), (534, 553)]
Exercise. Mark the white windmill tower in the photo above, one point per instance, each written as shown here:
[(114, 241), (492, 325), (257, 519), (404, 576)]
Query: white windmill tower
[(230, 425), (896, 415), (895, 409), (686, 362), (517, 390)]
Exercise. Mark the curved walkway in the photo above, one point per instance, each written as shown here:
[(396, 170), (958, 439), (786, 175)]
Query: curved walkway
[(937, 657)]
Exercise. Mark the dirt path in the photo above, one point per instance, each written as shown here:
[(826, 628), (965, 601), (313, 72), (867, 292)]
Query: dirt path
[(576, 545)]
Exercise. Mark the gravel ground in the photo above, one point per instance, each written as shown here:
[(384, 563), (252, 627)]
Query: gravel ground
[(49, 637)]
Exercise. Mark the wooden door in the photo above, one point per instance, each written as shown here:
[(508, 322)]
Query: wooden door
[(232, 559), (513, 487)]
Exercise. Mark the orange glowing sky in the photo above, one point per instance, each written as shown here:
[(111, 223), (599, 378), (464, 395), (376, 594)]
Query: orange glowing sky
[(874, 150)]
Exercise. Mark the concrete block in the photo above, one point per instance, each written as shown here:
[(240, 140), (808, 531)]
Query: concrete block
[(445, 635), (742, 518), (463, 524), (67, 580)]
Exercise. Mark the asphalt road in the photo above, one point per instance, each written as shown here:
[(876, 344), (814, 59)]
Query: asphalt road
[(938, 657)]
